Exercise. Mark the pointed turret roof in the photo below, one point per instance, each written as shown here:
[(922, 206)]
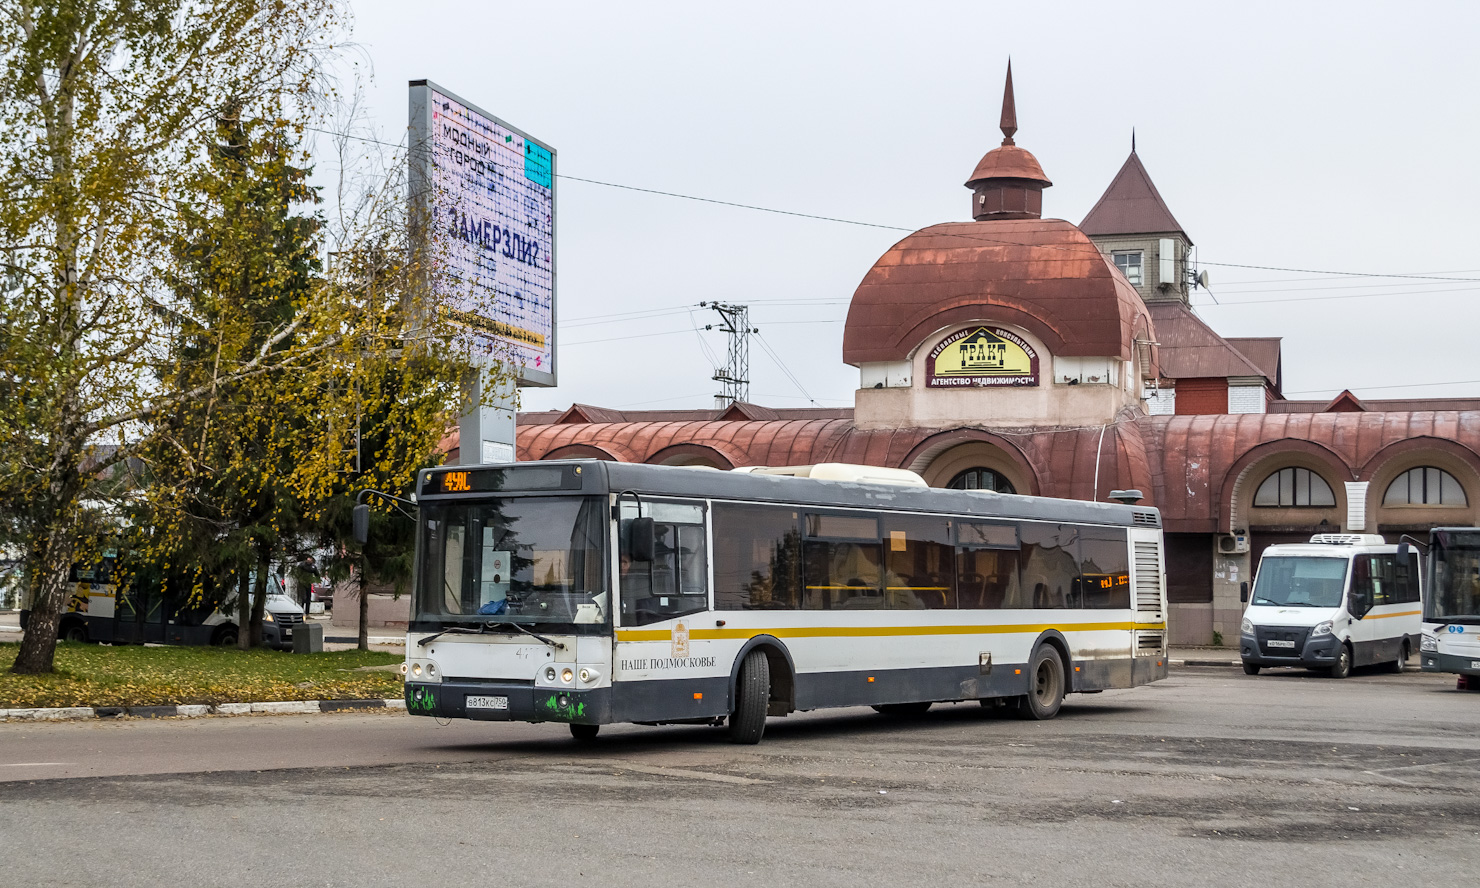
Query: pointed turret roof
[(1008, 161), (1131, 205)]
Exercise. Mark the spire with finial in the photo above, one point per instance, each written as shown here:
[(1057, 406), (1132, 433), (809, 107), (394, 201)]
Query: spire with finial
[(1009, 109), (1008, 183), (1133, 140)]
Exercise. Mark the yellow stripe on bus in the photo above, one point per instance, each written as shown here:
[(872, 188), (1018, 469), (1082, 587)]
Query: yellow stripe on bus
[(1385, 616), (878, 631)]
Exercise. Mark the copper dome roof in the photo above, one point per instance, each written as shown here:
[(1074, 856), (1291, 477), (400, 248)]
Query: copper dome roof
[(1041, 275), (1008, 162)]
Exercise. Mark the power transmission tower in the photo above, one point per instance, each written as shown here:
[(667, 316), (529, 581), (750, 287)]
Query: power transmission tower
[(734, 377)]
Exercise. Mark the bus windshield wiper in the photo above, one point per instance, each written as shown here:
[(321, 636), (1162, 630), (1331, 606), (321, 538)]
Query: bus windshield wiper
[(550, 641), (453, 630)]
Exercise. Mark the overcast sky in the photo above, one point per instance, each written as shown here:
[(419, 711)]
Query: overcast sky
[(1324, 137)]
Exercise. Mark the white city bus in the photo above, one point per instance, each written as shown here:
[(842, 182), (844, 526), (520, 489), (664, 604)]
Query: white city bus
[(589, 593), (1451, 614)]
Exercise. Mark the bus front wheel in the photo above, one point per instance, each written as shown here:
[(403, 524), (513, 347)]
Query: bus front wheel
[(1045, 685), (1343, 666), (752, 698), (74, 632), (584, 733)]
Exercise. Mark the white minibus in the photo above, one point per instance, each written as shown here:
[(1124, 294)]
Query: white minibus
[(1340, 601)]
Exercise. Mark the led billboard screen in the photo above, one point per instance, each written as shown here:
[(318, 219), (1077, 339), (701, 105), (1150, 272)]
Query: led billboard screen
[(483, 196)]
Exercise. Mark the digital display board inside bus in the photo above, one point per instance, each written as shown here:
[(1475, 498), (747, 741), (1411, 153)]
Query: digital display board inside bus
[(485, 192)]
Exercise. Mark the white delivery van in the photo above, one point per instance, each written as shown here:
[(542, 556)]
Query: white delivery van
[(1339, 601)]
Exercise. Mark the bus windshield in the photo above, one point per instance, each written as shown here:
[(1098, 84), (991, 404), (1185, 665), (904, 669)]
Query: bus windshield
[(1454, 587), (525, 560), (1294, 581)]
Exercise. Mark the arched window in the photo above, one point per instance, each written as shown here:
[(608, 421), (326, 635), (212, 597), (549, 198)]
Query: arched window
[(1294, 487), (1425, 486), (981, 479)]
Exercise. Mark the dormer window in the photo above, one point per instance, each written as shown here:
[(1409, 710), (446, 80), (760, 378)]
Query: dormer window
[(1130, 266)]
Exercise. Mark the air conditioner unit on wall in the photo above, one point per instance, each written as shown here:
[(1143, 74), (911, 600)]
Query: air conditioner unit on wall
[(1233, 543)]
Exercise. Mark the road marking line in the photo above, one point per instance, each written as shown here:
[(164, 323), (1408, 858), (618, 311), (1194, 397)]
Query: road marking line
[(33, 764), (1429, 765), (663, 772)]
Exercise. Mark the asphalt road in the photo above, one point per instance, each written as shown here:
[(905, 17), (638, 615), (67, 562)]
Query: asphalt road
[(1208, 778)]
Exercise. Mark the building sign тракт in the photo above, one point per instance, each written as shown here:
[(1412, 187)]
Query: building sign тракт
[(981, 356)]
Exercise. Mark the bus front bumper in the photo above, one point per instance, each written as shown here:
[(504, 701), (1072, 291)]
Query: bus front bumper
[(1316, 653), (1457, 664), (508, 701)]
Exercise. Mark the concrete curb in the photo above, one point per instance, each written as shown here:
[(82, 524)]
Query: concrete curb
[(1200, 662), (284, 707)]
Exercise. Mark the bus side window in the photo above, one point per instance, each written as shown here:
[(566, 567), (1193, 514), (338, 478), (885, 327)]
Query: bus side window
[(919, 566), (1050, 569), (987, 566), (843, 562), (757, 558), (1104, 568)]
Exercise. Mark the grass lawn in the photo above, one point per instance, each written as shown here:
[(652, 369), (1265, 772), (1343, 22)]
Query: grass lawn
[(98, 675)]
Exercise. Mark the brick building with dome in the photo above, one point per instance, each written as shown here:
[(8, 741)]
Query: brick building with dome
[(1033, 356)]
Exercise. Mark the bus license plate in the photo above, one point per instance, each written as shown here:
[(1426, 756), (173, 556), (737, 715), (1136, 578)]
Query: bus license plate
[(1475, 664), (1278, 643), (488, 702)]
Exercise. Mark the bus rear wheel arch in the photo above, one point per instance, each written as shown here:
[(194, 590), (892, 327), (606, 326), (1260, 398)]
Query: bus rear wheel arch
[(73, 630), (1046, 683)]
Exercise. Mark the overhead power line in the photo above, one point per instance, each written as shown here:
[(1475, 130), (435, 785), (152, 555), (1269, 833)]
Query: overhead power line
[(1373, 388), (1075, 248)]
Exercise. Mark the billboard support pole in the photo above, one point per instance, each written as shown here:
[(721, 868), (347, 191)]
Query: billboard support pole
[(487, 429)]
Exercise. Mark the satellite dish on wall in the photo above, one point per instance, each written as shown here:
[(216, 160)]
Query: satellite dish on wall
[(1202, 279)]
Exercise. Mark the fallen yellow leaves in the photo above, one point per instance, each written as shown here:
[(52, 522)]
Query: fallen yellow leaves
[(98, 675)]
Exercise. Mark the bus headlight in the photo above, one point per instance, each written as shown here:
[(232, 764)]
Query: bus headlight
[(566, 675), (1429, 643), (1322, 628), (549, 673), (1246, 627), (421, 670)]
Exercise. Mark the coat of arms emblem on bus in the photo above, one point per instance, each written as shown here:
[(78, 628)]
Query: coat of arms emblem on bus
[(981, 356), (680, 641)]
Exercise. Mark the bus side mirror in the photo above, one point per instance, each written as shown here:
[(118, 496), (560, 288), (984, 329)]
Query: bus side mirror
[(1403, 556), (1361, 603), (643, 539), (1243, 592), (360, 519)]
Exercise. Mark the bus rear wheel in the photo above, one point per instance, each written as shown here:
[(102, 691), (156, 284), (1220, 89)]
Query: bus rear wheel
[(74, 632), (1399, 664), (752, 698), (1045, 685)]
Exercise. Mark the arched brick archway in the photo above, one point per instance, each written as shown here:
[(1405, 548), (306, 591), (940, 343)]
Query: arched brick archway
[(1388, 463), (690, 454), (1249, 470), (939, 457), (584, 451)]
